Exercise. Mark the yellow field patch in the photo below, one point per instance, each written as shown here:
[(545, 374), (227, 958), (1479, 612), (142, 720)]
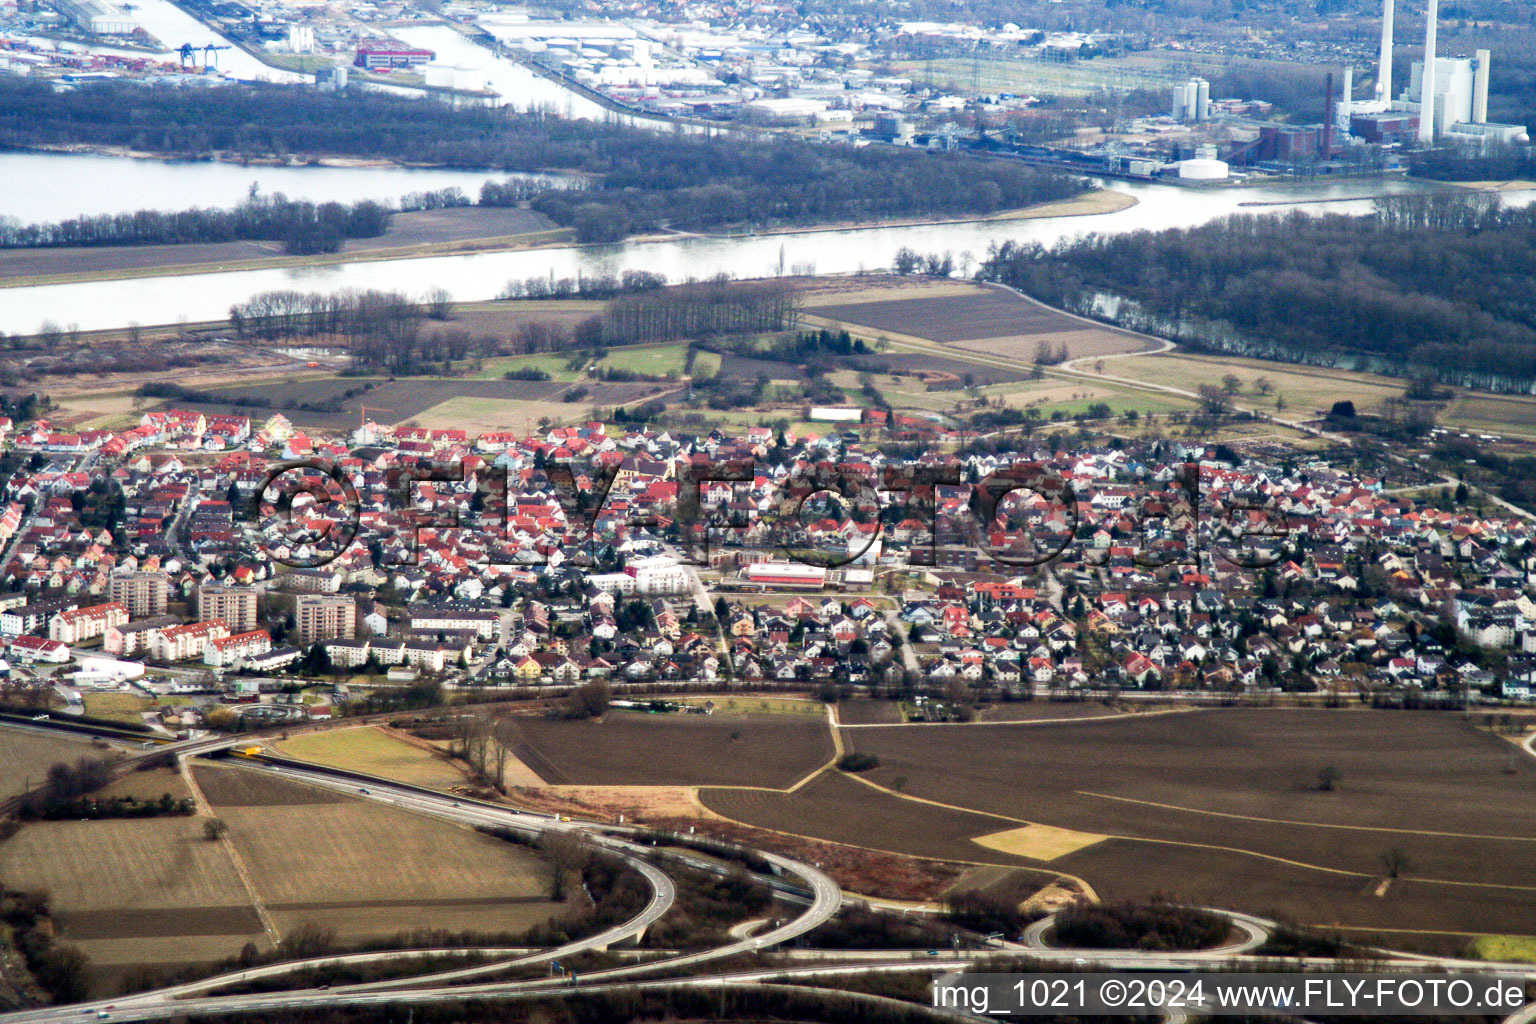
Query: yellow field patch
[(1513, 948), (636, 803), (371, 750), (1038, 842)]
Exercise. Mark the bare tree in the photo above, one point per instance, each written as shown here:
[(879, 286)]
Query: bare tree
[(439, 303), (1213, 400), (564, 853)]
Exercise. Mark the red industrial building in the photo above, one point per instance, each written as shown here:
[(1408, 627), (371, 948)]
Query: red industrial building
[(1388, 128)]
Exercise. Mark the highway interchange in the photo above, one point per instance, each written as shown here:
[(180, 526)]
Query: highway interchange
[(817, 895)]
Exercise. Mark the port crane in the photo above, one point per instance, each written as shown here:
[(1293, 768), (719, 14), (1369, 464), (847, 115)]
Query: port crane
[(189, 54)]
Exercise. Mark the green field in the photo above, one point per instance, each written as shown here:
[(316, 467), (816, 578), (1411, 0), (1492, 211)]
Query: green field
[(1516, 948), (1492, 414), (658, 360), (554, 365)]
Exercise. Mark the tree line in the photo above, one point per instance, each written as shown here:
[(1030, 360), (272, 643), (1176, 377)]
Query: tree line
[(644, 180), (1438, 284), (303, 226), (700, 310), (385, 330)]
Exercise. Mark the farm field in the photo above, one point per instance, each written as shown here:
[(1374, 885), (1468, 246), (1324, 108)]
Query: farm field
[(915, 362), (774, 751), (149, 785), (658, 360), (135, 892), (839, 808), (1051, 710), (502, 319), (761, 705), (551, 363), (1521, 949), (1216, 804), (401, 400), (1491, 414), (118, 707), (318, 857), (989, 321), (869, 712), (1307, 390), (375, 751), (522, 405), (26, 756)]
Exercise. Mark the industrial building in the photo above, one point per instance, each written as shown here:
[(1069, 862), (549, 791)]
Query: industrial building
[(97, 17), (785, 574), (1446, 99), (1192, 101), (373, 56)]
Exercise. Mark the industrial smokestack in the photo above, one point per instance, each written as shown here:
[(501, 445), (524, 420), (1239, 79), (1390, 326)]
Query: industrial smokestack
[(1384, 66), (1427, 93), (1480, 88), (1346, 103), (1328, 116)]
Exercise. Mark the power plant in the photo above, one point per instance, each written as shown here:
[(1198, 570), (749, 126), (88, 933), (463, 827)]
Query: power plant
[(1446, 99)]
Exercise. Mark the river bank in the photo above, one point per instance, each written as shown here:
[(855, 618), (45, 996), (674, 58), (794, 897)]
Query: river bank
[(223, 157), (456, 231), (205, 295)]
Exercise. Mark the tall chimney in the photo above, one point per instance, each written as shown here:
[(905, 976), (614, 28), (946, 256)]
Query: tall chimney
[(1384, 65), (1347, 101), (1328, 116), (1480, 88), (1427, 94)]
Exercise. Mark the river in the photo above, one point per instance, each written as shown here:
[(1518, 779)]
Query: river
[(162, 300), (41, 187)]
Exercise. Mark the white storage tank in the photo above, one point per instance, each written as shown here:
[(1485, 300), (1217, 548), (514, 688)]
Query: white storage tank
[(453, 76), (1203, 170)]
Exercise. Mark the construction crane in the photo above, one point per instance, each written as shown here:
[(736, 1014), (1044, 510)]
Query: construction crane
[(212, 51), (362, 413)]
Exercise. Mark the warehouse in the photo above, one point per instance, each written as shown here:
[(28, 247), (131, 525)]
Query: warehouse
[(785, 574)]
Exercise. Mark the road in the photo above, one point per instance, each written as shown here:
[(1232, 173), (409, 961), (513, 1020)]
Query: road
[(824, 901), (812, 888), (1256, 931)]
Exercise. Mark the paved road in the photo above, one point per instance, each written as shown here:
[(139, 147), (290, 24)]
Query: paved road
[(824, 901), (1255, 931)]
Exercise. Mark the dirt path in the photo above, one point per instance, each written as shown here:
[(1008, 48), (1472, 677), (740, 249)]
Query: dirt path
[(205, 809)]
